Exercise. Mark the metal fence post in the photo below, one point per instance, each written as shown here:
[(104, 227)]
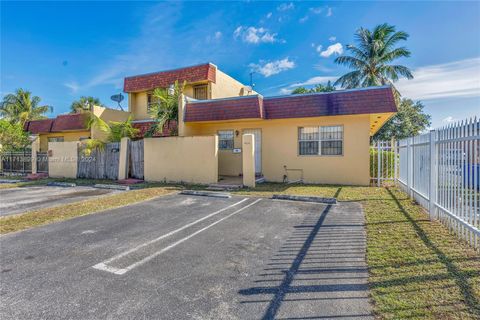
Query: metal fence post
[(378, 164), (409, 166), (432, 190)]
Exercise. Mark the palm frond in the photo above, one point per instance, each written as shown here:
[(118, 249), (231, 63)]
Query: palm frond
[(349, 80)]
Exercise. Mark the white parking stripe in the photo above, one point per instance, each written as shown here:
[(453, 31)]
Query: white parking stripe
[(104, 265)]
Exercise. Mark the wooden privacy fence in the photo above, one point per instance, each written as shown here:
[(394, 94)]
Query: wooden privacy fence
[(441, 171), (100, 163), (136, 162)]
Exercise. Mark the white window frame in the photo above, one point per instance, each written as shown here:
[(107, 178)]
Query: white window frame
[(319, 141), (219, 132)]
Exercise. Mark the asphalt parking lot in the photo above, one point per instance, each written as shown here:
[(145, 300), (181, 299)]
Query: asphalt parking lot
[(190, 257), (18, 200)]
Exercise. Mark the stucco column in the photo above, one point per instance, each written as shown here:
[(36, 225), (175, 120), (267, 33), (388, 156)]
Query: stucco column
[(181, 113), (123, 160), (35, 149), (248, 160)]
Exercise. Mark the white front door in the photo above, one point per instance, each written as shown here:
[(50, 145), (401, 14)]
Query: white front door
[(257, 133)]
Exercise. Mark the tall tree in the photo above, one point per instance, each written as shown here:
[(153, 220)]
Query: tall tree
[(408, 122), (21, 106), (372, 58), (318, 88), (12, 136), (85, 104)]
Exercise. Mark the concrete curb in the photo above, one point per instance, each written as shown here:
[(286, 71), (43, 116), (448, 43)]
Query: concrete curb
[(112, 187), (11, 181), (206, 194), (305, 198), (61, 184)]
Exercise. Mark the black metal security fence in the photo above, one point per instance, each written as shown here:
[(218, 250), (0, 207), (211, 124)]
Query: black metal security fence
[(18, 162)]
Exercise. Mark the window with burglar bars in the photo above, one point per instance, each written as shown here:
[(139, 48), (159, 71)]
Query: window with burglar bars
[(320, 141), (200, 92), (225, 139)]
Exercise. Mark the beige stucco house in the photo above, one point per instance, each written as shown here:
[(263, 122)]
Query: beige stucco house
[(314, 138), (70, 127)]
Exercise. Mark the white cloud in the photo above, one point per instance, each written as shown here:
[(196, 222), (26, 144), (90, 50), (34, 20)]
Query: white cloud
[(73, 86), (286, 6), (449, 119), (332, 38), (309, 82), (316, 10), (269, 15), (285, 91), (303, 19), (255, 35), (454, 79), (268, 69), (329, 12), (215, 37), (314, 81), (336, 48), (319, 48)]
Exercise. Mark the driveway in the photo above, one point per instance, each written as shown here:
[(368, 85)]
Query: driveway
[(187, 257), (18, 200)]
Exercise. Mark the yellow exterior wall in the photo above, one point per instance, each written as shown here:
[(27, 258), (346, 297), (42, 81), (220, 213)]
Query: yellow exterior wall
[(62, 160), (225, 86), (280, 149), (67, 137), (107, 115), (181, 159)]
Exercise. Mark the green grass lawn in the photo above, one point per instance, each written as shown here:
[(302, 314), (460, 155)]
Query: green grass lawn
[(417, 268)]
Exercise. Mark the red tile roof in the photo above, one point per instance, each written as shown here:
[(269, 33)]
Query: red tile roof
[(64, 122), (246, 107), (342, 102), (203, 72), (169, 129)]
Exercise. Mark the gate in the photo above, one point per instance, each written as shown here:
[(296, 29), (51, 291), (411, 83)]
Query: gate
[(136, 159), (100, 163), (383, 162), (42, 162)]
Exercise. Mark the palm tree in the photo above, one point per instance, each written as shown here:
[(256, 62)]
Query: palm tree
[(372, 57), (85, 104), (21, 106), (318, 88), (164, 107)]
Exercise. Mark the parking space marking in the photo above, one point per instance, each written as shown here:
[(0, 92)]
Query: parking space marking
[(119, 271)]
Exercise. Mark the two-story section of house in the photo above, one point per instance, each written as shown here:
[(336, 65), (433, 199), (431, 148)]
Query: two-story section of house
[(202, 82)]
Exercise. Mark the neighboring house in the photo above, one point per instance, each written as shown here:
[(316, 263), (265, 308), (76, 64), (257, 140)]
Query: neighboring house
[(71, 127), (314, 138)]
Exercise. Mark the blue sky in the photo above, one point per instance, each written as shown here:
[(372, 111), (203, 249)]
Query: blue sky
[(63, 50)]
